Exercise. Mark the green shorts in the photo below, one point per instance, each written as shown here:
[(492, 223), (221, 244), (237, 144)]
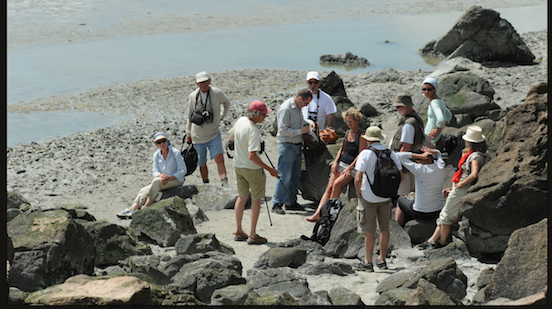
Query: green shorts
[(249, 179)]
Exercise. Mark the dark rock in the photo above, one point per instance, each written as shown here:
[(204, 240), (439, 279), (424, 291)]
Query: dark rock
[(50, 246), (341, 296), (444, 273), (319, 298), (281, 279), (204, 276), (419, 230), (281, 257), (332, 84), (152, 223), (512, 189), (347, 59), (184, 192), (484, 277), (427, 294), (201, 243), (166, 295), (525, 262), (319, 267), (394, 297), (173, 266), (112, 242), (346, 242), (368, 111), (232, 203), (273, 299), (455, 249), (481, 35), (233, 295)]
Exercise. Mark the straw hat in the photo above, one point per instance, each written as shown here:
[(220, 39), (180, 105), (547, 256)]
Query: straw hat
[(474, 135), (373, 134)]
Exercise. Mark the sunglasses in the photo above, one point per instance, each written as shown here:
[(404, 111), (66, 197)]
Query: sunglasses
[(313, 82), (428, 89), (161, 141)]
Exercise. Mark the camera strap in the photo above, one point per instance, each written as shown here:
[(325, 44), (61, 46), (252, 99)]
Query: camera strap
[(208, 98)]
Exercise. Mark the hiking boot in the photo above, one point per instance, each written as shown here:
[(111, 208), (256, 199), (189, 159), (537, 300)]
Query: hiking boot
[(424, 245), (125, 214), (240, 236), (363, 267), (277, 208), (381, 265), (256, 240), (295, 206), (436, 245)]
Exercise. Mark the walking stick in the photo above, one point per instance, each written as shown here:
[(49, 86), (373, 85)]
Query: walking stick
[(268, 211)]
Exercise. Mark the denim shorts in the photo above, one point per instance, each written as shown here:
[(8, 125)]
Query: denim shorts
[(215, 148)]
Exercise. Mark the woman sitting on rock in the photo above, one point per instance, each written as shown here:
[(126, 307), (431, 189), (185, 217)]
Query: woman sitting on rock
[(474, 156), (438, 115), (343, 167), (168, 172)]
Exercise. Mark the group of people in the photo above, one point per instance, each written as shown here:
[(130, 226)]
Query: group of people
[(415, 150)]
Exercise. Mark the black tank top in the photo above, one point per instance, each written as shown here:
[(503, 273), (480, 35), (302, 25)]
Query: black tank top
[(351, 149)]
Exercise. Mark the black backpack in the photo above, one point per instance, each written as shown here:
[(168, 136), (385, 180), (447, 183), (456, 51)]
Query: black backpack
[(328, 216), (190, 157), (387, 176)]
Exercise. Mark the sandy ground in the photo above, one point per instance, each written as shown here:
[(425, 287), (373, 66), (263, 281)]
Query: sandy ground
[(85, 21)]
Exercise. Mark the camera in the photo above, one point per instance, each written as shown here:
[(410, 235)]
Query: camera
[(206, 114)]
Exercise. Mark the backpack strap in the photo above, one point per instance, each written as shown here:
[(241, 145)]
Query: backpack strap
[(378, 153)]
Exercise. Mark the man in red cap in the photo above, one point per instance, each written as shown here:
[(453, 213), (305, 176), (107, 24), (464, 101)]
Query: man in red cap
[(248, 169)]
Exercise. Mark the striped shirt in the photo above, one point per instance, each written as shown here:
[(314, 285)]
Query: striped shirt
[(429, 182)]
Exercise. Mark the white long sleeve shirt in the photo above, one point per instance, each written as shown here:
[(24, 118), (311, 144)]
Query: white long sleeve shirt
[(174, 165)]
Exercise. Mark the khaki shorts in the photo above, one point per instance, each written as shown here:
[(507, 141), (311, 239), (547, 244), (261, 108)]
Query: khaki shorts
[(248, 179), (367, 213), (408, 184)]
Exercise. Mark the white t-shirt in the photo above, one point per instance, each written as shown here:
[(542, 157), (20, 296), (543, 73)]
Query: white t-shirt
[(325, 106), (247, 138), (407, 134), (366, 163)]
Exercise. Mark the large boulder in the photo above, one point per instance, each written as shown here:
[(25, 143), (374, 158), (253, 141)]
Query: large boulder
[(204, 276), (346, 242), (113, 242), (281, 257), (523, 270), (281, 279), (481, 35), (82, 290), (50, 246), (163, 222), (512, 189), (443, 273)]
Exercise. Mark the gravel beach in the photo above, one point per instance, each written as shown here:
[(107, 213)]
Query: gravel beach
[(105, 168)]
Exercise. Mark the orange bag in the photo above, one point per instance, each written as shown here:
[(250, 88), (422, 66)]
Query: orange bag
[(328, 136)]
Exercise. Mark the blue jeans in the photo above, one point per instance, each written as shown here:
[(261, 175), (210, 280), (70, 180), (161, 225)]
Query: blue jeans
[(289, 165)]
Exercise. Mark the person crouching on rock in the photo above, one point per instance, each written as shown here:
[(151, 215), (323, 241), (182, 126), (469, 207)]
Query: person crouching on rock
[(168, 172), (248, 169), (343, 167), (474, 156)]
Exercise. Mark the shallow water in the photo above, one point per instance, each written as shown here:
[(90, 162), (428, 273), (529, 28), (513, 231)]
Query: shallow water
[(73, 68)]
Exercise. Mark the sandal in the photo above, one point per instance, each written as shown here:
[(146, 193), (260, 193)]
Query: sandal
[(240, 236), (256, 240)]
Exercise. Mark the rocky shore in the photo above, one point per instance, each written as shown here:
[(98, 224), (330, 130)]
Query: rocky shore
[(100, 172)]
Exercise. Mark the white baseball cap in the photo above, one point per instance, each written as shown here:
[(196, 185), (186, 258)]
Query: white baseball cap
[(313, 75)]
